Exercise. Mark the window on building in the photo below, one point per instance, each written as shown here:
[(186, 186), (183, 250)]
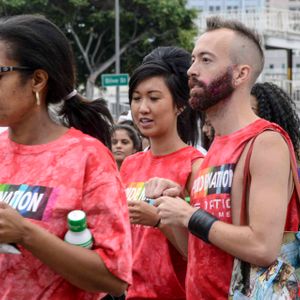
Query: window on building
[(298, 66), (271, 66)]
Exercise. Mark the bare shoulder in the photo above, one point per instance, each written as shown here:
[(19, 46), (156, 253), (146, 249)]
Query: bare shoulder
[(271, 142), (196, 164), (270, 136), (270, 150), (194, 172)]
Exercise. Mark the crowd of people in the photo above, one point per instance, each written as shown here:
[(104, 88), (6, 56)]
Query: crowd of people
[(167, 219)]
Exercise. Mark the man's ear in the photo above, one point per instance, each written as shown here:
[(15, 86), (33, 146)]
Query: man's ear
[(241, 74), (39, 80)]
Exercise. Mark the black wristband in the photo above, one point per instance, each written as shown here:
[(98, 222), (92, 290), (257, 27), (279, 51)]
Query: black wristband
[(200, 224)]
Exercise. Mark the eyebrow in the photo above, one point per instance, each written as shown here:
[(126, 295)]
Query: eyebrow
[(151, 91), (203, 53)]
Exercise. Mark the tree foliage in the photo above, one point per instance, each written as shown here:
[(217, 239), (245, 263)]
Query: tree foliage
[(90, 25)]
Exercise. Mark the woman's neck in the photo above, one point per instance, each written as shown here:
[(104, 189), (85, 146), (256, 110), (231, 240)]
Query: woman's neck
[(166, 144), (119, 163), (37, 129)]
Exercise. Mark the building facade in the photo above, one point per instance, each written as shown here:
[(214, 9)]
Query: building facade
[(247, 5), (226, 5)]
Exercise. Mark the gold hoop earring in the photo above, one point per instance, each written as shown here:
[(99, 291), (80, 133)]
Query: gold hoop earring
[(37, 97)]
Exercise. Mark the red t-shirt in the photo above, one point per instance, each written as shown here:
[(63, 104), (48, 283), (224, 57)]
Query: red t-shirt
[(44, 183), (210, 268), (158, 268)]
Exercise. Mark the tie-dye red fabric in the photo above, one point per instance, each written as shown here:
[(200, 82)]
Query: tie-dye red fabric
[(44, 183), (209, 268), (158, 269)]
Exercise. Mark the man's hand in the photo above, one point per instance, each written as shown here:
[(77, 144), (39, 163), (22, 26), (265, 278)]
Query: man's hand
[(142, 213), (174, 211), (156, 187)]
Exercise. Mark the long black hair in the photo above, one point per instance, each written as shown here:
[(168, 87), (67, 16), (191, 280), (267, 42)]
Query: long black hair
[(275, 105), (172, 64), (35, 42)]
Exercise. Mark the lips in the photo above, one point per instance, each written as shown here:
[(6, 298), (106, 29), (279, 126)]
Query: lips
[(118, 153), (145, 122), (194, 83), (195, 90)]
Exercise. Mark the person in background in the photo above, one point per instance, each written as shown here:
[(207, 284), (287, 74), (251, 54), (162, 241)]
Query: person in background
[(158, 95), (272, 103), (49, 169), (126, 118), (207, 133), (125, 141)]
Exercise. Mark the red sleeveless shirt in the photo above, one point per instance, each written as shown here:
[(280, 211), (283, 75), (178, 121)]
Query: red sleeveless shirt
[(158, 268), (209, 268)]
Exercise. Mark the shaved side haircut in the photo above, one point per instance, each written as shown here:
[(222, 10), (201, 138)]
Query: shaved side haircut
[(247, 48)]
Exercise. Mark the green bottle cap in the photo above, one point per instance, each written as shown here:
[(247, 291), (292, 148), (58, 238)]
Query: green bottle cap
[(187, 199), (76, 220)]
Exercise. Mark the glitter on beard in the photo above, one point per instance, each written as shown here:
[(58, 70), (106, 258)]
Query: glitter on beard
[(205, 96)]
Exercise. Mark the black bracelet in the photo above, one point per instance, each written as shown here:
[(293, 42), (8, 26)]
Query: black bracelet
[(158, 222), (200, 224)]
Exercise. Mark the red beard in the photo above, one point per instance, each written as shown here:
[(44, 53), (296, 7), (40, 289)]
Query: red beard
[(204, 96)]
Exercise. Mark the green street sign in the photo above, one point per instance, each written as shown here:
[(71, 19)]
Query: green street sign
[(114, 79)]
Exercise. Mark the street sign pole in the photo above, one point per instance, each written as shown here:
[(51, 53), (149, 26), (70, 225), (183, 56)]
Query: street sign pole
[(117, 50)]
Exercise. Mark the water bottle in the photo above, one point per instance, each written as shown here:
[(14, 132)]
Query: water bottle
[(78, 234)]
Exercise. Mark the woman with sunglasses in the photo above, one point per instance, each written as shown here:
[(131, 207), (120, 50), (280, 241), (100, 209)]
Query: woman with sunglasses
[(49, 168)]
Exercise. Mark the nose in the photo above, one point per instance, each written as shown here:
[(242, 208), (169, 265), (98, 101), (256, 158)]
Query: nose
[(119, 145), (144, 107), (192, 71)]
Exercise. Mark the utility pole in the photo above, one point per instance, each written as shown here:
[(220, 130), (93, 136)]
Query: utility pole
[(117, 50)]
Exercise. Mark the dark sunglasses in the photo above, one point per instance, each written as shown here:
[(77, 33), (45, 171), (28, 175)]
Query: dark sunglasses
[(4, 69)]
